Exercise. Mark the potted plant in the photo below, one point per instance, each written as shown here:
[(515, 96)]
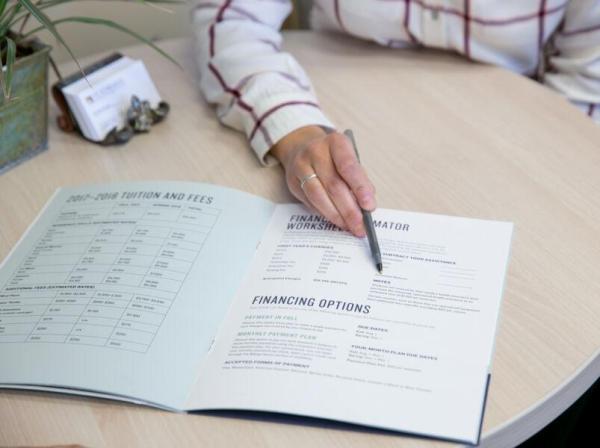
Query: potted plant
[(24, 65)]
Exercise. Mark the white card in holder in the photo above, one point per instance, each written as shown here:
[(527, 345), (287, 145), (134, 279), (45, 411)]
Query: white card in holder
[(99, 102)]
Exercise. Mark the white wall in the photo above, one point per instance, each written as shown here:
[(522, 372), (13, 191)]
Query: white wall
[(86, 39)]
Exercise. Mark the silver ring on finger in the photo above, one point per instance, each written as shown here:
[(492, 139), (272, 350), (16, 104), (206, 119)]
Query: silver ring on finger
[(305, 179)]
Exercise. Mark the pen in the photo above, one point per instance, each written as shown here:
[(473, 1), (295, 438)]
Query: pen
[(367, 219)]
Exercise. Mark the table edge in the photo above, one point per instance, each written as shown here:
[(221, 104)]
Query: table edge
[(518, 428)]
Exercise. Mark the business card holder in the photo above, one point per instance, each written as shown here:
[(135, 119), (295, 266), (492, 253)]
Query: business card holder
[(140, 116)]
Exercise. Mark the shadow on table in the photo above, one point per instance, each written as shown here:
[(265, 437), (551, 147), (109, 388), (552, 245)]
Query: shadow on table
[(321, 423), (576, 427)]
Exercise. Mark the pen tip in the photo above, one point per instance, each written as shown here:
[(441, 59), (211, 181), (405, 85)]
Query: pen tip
[(380, 267)]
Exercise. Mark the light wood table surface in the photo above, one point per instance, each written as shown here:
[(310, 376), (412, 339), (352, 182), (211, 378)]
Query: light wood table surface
[(438, 134)]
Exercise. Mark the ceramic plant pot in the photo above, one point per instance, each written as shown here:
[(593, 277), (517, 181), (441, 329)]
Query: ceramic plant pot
[(24, 117)]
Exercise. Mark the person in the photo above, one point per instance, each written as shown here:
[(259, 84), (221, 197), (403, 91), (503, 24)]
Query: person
[(263, 91)]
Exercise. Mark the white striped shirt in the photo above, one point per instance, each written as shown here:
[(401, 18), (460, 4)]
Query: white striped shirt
[(263, 91)]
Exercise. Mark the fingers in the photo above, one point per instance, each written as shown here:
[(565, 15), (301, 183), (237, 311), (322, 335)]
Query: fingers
[(294, 187), (340, 195), (313, 195), (341, 187), (352, 172), (318, 197)]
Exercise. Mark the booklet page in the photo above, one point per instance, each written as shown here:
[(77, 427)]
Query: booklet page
[(315, 330), (120, 288)]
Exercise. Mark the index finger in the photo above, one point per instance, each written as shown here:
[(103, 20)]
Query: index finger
[(353, 173)]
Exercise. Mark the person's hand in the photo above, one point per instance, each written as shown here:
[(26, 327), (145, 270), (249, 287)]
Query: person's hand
[(341, 187)]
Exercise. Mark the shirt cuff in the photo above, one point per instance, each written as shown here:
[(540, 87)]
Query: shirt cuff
[(279, 117)]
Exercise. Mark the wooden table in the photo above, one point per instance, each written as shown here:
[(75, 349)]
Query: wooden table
[(439, 134)]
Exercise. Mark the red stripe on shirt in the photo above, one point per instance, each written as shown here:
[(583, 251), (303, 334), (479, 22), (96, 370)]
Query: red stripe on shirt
[(235, 93), (238, 97), (588, 29), (591, 109), (481, 20), (242, 83), (542, 18), (275, 46), (211, 30), (277, 107), (407, 21), (240, 11), (467, 26), (336, 8)]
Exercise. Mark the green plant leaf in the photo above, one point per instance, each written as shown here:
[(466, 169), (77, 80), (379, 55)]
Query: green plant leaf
[(47, 24), (7, 16), (6, 79), (3, 85), (2, 6), (110, 24), (11, 55)]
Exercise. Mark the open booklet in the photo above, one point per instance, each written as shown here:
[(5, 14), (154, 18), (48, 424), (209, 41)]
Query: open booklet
[(190, 296)]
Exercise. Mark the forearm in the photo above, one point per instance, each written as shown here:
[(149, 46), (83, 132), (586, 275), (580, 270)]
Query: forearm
[(256, 87), (574, 69)]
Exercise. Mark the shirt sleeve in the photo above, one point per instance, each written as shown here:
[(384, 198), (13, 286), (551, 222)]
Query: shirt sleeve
[(574, 65), (257, 88)]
